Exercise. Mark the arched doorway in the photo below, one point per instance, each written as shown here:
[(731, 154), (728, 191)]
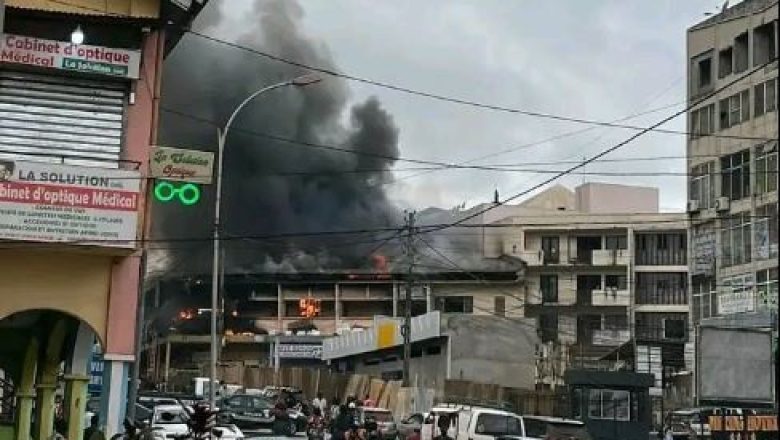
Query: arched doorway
[(45, 361)]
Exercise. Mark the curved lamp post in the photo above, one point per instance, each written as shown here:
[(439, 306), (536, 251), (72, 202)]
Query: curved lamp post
[(222, 133)]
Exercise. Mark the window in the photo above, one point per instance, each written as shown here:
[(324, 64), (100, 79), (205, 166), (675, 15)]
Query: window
[(609, 404), (701, 68), (735, 240), (704, 298), (614, 242), (550, 247), (549, 287), (745, 105), (766, 288), (499, 306), (703, 185), (723, 113), (771, 95), (765, 97), (741, 53), (766, 168), (705, 72), (455, 304), (703, 121), (764, 49), (725, 60), (674, 328), (548, 327), (535, 428), (616, 282), (765, 232), (735, 110), (661, 288), (497, 425), (735, 175)]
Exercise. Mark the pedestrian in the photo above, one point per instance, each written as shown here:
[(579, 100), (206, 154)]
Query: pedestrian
[(415, 434), (321, 403), (93, 432), (444, 426), (668, 433)]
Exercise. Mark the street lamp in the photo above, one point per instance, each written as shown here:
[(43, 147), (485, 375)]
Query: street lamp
[(300, 81)]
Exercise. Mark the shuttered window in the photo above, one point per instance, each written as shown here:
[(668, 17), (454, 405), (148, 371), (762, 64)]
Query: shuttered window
[(61, 119)]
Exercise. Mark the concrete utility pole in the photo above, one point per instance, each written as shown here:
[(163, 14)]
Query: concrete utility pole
[(406, 329)]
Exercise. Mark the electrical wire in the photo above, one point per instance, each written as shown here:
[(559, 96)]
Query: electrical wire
[(612, 148), (450, 99)]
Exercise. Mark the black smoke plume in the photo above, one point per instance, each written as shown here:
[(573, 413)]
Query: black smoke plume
[(207, 80)]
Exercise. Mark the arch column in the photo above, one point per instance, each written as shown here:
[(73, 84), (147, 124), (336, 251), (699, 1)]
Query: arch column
[(25, 395), (77, 380), (47, 380)]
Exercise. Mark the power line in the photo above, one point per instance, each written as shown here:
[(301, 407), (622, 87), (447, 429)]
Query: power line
[(612, 148), (444, 98)]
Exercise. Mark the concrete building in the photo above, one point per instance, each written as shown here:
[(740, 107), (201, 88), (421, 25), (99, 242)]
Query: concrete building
[(264, 314), (600, 274), (732, 164), (77, 121), (445, 346)]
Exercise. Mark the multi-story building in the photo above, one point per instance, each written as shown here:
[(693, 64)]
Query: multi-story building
[(79, 88), (732, 165), (604, 268), (282, 319)]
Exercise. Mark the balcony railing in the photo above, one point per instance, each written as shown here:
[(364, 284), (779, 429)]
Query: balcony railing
[(611, 297), (610, 337), (610, 257)]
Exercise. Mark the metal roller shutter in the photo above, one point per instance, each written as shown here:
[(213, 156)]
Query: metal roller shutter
[(61, 119)]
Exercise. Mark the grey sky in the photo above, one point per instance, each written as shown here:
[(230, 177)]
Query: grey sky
[(597, 59)]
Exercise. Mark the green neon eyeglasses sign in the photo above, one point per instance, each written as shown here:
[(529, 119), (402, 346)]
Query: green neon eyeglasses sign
[(187, 193)]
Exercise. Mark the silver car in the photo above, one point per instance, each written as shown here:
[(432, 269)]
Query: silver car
[(384, 420)]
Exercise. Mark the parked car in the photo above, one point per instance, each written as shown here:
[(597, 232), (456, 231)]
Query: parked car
[(170, 421), (256, 412), (383, 418), (407, 426), (551, 428), (479, 423)]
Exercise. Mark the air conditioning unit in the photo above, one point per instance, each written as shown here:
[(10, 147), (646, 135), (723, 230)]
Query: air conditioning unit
[(722, 204), (693, 206)]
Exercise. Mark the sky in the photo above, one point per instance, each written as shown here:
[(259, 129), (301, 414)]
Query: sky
[(600, 60)]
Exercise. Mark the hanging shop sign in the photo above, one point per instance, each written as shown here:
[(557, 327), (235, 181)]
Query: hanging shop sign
[(31, 51), (60, 203), (181, 165)]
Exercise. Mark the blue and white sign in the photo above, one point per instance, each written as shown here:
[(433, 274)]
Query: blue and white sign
[(96, 371)]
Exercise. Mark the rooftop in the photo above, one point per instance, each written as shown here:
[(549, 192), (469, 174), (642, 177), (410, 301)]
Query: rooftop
[(742, 9)]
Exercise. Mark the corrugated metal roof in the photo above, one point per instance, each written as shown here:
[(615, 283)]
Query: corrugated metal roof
[(101, 8), (742, 9)]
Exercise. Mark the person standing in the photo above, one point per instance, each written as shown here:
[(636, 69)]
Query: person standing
[(321, 403)]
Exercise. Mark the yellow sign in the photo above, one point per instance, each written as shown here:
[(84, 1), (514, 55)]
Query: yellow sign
[(385, 334)]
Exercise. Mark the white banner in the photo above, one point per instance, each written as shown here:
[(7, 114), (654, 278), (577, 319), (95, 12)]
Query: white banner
[(61, 203), (299, 351), (31, 51)]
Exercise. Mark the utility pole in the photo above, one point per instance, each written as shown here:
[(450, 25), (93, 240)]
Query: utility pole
[(406, 329)]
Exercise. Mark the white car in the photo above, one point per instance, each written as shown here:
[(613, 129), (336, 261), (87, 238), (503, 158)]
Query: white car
[(170, 421)]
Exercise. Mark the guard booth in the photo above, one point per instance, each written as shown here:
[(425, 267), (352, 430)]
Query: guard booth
[(612, 404)]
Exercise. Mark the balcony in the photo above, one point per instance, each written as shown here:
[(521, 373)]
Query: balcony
[(611, 338), (610, 257), (532, 258), (611, 297)]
